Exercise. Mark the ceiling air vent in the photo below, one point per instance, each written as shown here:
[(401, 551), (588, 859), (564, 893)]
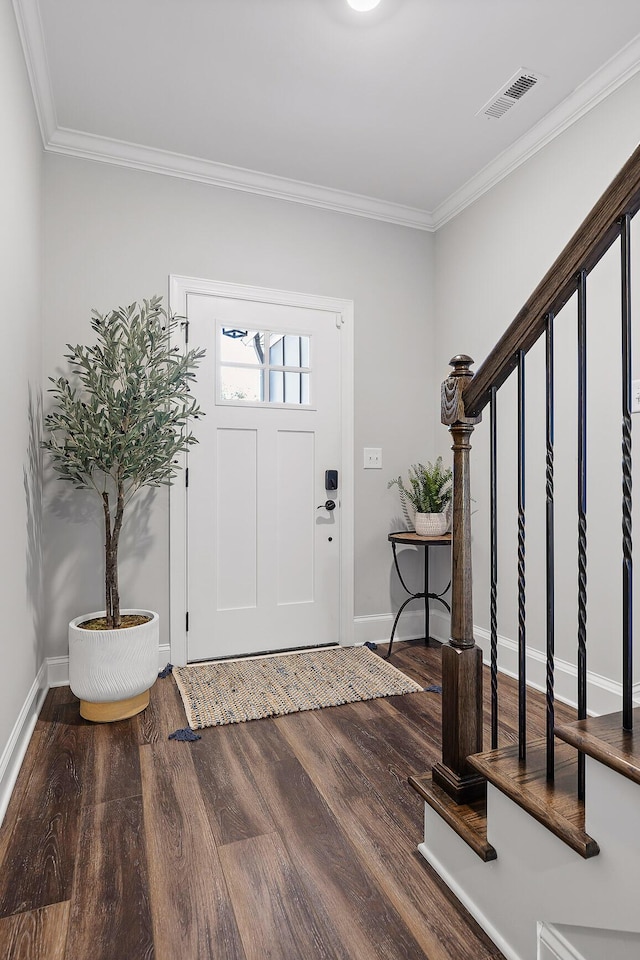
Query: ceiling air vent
[(509, 94)]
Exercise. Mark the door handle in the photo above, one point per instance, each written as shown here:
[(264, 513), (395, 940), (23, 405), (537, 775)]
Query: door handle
[(327, 505)]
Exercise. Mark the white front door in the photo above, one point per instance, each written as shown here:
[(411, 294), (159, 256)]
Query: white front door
[(263, 551)]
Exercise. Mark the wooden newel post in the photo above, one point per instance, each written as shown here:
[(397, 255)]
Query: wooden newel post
[(461, 658)]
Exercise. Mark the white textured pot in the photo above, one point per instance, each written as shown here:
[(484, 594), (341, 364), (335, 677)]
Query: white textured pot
[(111, 671), (431, 524)]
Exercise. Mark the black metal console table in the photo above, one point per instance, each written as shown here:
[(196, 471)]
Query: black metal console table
[(413, 540)]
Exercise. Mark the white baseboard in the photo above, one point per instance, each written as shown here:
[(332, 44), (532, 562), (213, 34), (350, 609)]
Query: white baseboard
[(377, 629), (58, 671), (164, 655), (13, 753), (58, 667), (603, 695), (53, 672), (553, 946)]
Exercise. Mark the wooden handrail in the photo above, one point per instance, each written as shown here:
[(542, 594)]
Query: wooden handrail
[(592, 239)]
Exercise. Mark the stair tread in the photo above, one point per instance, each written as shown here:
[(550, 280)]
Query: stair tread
[(469, 820), (604, 739), (553, 804)]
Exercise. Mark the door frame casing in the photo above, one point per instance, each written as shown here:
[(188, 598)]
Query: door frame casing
[(179, 289)]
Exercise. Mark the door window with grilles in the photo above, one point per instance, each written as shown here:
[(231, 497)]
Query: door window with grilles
[(263, 367)]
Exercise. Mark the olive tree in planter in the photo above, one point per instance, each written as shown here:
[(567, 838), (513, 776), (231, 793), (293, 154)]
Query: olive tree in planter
[(118, 425)]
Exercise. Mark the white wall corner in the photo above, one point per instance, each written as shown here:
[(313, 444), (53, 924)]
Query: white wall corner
[(27, 13), (13, 754)]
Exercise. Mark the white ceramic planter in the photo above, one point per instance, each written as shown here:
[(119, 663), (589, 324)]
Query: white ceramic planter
[(431, 524), (107, 666)]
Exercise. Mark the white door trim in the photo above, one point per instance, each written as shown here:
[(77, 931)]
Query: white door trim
[(179, 289)]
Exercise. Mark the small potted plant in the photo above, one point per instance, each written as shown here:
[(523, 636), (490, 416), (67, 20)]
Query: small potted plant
[(117, 426), (429, 492)]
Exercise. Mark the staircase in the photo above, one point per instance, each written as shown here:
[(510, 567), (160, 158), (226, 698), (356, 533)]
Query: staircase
[(544, 835)]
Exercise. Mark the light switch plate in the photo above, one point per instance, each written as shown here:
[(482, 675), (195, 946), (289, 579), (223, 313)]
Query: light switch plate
[(373, 458)]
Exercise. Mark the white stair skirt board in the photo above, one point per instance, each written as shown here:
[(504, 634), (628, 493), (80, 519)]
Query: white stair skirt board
[(13, 754), (539, 879)]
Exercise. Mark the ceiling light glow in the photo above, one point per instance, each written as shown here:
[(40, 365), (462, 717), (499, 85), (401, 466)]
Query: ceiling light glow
[(363, 5)]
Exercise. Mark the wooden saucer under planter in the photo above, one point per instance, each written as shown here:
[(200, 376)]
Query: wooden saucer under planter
[(112, 671), (116, 710)]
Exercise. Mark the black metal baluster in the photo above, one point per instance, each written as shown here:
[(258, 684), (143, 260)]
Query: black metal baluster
[(522, 633), (582, 515), (550, 553), (627, 543), (494, 567)]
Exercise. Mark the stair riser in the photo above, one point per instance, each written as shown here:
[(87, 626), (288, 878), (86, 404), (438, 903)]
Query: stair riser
[(613, 811), (538, 878)]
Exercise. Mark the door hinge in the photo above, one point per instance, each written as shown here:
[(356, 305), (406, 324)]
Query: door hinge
[(339, 321), (187, 621), (185, 326), (186, 477)]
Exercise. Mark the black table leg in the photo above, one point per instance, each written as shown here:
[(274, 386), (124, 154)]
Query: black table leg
[(427, 629), (423, 595)]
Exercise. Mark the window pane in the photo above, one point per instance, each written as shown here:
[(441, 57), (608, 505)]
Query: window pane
[(291, 351), (276, 350), (288, 350), (241, 346), (304, 388), (241, 383), (292, 388), (304, 351), (243, 368), (276, 386)]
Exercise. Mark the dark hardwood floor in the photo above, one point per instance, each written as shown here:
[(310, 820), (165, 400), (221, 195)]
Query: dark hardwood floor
[(292, 838)]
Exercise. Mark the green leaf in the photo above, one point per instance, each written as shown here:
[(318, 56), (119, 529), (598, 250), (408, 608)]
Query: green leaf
[(430, 486), (124, 412)]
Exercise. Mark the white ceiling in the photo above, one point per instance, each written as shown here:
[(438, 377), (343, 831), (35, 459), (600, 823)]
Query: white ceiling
[(372, 113)]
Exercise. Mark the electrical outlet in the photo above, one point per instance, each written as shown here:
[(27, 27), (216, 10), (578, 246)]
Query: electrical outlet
[(373, 458), (635, 396)]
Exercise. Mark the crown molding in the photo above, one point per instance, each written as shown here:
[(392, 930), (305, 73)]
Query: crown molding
[(620, 68), (75, 143), (27, 14)]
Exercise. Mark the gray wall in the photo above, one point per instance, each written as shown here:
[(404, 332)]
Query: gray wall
[(113, 235), (488, 261), (21, 650)]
